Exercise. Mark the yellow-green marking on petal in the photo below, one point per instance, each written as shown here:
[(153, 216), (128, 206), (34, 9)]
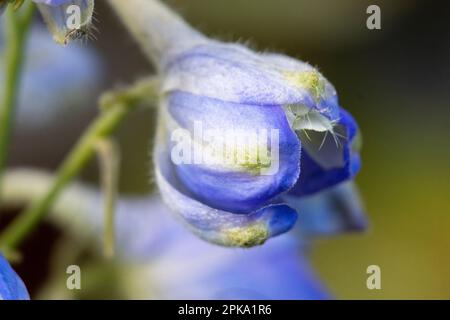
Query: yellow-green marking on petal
[(310, 80), (250, 236)]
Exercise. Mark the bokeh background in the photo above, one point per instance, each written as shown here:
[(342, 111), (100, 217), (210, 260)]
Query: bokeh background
[(395, 81)]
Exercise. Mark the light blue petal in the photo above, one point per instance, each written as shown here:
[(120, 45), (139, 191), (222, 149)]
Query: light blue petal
[(333, 211), (59, 2), (228, 188), (58, 83), (233, 73), (11, 286)]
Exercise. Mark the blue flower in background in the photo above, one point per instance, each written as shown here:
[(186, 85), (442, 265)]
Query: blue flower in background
[(156, 248), (11, 286), (331, 212), (57, 2), (57, 84), (160, 259)]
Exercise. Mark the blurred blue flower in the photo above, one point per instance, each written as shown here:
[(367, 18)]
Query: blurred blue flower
[(156, 248), (55, 2), (148, 237), (160, 259), (57, 84), (331, 212), (11, 286)]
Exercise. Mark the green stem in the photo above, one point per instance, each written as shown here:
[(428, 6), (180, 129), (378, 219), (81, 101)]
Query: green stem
[(76, 160), (116, 106), (109, 161), (159, 31), (17, 28)]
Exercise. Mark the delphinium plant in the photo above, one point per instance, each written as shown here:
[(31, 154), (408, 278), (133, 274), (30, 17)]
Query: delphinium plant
[(292, 178)]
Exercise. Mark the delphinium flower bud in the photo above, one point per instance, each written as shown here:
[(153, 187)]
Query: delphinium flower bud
[(210, 86), (67, 20), (11, 286)]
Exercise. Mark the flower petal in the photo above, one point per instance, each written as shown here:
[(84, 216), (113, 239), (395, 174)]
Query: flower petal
[(248, 185), (11, 286), (333, 211), (234, 73), (54, 2)]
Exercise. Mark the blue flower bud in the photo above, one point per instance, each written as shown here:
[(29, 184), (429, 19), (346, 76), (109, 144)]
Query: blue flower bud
[(11, 286), (228, 87), (67, 20)]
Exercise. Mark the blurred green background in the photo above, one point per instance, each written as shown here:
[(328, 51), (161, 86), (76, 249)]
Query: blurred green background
[(395, 81)]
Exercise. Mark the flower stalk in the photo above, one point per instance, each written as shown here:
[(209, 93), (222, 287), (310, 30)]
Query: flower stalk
[(109, 161), (116, 106), (17, 27), (159, 31)]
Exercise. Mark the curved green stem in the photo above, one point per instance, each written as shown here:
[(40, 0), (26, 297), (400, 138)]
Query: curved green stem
[(17, 27), (109, 161), (116, 106)]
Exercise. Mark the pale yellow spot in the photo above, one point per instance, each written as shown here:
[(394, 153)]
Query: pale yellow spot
[(251, 157), (247, 237), (309, 80)]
